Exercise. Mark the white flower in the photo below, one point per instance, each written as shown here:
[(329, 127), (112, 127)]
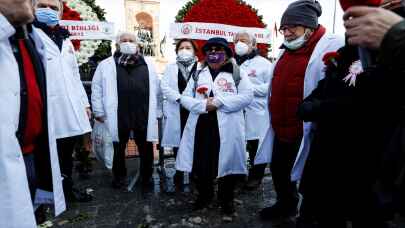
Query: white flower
[(354, 70), (87, 47)]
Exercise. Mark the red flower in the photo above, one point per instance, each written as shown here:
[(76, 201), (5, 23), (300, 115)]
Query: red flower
[(202, 90), (331, 58), (349, 3), (69, 14), (230, 12), (76, 44)]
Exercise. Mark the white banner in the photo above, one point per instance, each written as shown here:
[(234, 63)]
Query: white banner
[(205, 31), (89, 30)]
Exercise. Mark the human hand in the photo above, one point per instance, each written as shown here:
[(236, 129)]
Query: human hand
[(367, 26), (210, 105), (88, 112), (100, 119)]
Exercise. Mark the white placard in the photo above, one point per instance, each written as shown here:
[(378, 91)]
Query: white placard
[(205, 31), (89, 30)]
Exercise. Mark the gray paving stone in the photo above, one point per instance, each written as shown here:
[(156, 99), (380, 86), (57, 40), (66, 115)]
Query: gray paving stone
[(118, 208)]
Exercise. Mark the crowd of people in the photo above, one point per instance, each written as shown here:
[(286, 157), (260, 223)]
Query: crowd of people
[(327, 115)]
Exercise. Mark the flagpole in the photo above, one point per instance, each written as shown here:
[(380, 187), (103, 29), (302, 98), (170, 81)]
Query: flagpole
[(273, 40), (334, 17)]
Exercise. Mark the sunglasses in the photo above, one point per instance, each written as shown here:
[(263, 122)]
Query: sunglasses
[(215, 49)]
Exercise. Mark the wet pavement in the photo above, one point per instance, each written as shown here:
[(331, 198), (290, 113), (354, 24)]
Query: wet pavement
[(162, 204)]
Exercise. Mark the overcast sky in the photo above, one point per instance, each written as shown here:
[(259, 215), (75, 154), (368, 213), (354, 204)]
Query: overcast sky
[(270, 9)]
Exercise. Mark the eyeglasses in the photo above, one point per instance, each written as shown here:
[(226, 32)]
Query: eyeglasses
[(291, 29), (52, 7)]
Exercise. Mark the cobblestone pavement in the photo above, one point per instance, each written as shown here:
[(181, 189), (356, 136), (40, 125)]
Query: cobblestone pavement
[(154, 207)]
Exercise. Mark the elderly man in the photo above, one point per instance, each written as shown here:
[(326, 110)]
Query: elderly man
[(350, 108), (29, 168), (382, 29), (305, 43), (124, 97), (72, 112), (256, 114)]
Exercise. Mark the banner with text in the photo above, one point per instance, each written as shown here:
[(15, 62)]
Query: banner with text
[(89, 30), (205, 31)]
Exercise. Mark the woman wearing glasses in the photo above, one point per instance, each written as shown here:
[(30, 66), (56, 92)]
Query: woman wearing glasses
[(213, 143)]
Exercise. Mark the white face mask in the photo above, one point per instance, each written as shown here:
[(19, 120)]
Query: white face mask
[(128, 48), (241, 48), (185, 54), (299, 42), (295, 44)]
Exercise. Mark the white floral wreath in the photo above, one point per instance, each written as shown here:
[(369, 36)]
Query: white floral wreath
[(87, 47)]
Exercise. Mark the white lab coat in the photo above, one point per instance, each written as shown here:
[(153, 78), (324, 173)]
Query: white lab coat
[(104, 98), (231, 122), (256, 114), (16, 210), (314, 73), (171, 108), (69, 107)]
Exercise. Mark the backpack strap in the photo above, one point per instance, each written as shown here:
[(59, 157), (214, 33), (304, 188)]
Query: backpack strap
[(236, 75), (196, 75)]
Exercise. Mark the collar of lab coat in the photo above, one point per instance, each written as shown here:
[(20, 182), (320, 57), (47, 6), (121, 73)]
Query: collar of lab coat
[(6, 29)]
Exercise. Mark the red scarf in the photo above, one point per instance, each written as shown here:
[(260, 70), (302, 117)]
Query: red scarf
[(34, 118), (288, 89)]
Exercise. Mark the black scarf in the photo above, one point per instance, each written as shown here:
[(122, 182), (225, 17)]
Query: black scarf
[(227, 67), (128, 61), (57, 34), (241, 59)]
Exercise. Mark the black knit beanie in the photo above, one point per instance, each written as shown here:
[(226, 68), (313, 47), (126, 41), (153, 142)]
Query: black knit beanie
[(302, 12)]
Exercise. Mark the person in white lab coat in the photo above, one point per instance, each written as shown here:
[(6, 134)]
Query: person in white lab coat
[(72, 112), (124, 97), (29, 167), (256, 114), (173, 83), (295, 74), (213, 142)]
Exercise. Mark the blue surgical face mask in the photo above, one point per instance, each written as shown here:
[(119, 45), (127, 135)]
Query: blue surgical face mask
[(216, 57), (48, 16)]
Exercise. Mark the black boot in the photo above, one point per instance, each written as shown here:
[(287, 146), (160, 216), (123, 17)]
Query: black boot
[(228, 207), (40, 215), (205, 188), (178, 178), (279, 210), (201, 203), (119, 183), (78, 195)]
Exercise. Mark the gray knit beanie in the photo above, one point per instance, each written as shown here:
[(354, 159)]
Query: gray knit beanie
[(302, 12)]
